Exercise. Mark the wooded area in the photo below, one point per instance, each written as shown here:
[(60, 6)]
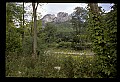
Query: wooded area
[(83, 47)]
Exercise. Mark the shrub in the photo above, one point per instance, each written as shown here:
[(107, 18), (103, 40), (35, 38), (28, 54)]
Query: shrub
[(68, 67), (80, 67), (78, 46), (28, 45), (64, 44)]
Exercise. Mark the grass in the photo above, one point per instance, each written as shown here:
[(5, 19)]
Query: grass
[(26, 67), (68, 51), (62, 50)]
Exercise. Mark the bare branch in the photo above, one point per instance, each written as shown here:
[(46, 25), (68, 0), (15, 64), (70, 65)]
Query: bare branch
[(36, 6), (32, 5)]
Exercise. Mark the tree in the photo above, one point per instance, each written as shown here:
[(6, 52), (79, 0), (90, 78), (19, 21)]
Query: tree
[(78, 21), (95, 24), (103, 29), (13, 35), (34, 30), (23, 35), (50, 31)]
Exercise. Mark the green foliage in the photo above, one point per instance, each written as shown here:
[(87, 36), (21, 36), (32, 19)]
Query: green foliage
[(43, 66), (28, 45), (80, 42), (79, 23), (64, 27), (13, 34), (50, 32), (13, 40), (63, 31), (64, 44), (78, 18), (41, 45), (70, 67), (103, 29), (13, 12), (64, 36)]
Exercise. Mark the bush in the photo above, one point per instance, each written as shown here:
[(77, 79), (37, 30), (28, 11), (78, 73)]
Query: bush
[(28, 45), (78, 46), (68, 67), (80, 67), (64, 44), (13, 41)]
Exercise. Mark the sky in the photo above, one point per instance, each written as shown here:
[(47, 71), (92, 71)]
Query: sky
[(54, 8)]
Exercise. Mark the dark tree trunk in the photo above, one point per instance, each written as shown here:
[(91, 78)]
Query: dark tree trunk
[(34, 31), (23, 32), (94, 7)]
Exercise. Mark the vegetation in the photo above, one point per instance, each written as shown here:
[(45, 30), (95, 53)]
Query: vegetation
[(84, 47), (102, 43)]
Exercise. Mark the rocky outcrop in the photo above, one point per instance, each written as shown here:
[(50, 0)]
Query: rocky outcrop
[(61, 17), (48, 18)]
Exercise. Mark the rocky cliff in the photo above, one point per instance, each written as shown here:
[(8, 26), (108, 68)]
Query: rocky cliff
[(48, 18), (61, 17)]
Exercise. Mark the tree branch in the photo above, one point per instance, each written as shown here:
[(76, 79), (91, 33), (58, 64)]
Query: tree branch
[(36, 6)]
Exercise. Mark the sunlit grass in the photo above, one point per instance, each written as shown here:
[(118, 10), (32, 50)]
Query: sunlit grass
[(68, 51), (24, 66)]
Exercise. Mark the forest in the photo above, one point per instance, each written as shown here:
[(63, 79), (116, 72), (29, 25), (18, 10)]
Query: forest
[(85, 46)]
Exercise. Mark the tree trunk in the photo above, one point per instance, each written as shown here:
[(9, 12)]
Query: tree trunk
[(23, 32), (34, 55), (94, 7)]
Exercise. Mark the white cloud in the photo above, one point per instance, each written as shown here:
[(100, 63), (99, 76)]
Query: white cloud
[(54, 8)]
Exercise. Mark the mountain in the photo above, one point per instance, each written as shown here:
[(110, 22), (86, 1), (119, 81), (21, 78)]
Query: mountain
[(61, 17), (48, 18)]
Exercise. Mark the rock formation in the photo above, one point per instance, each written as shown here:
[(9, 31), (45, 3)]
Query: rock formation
[(61, 17)]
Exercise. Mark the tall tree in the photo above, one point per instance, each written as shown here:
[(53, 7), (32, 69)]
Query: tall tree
[(34, 5), (103, 30), (78, 21), (96, 25), (78, 18), (13, 15), (23, 31), (94, 8)]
